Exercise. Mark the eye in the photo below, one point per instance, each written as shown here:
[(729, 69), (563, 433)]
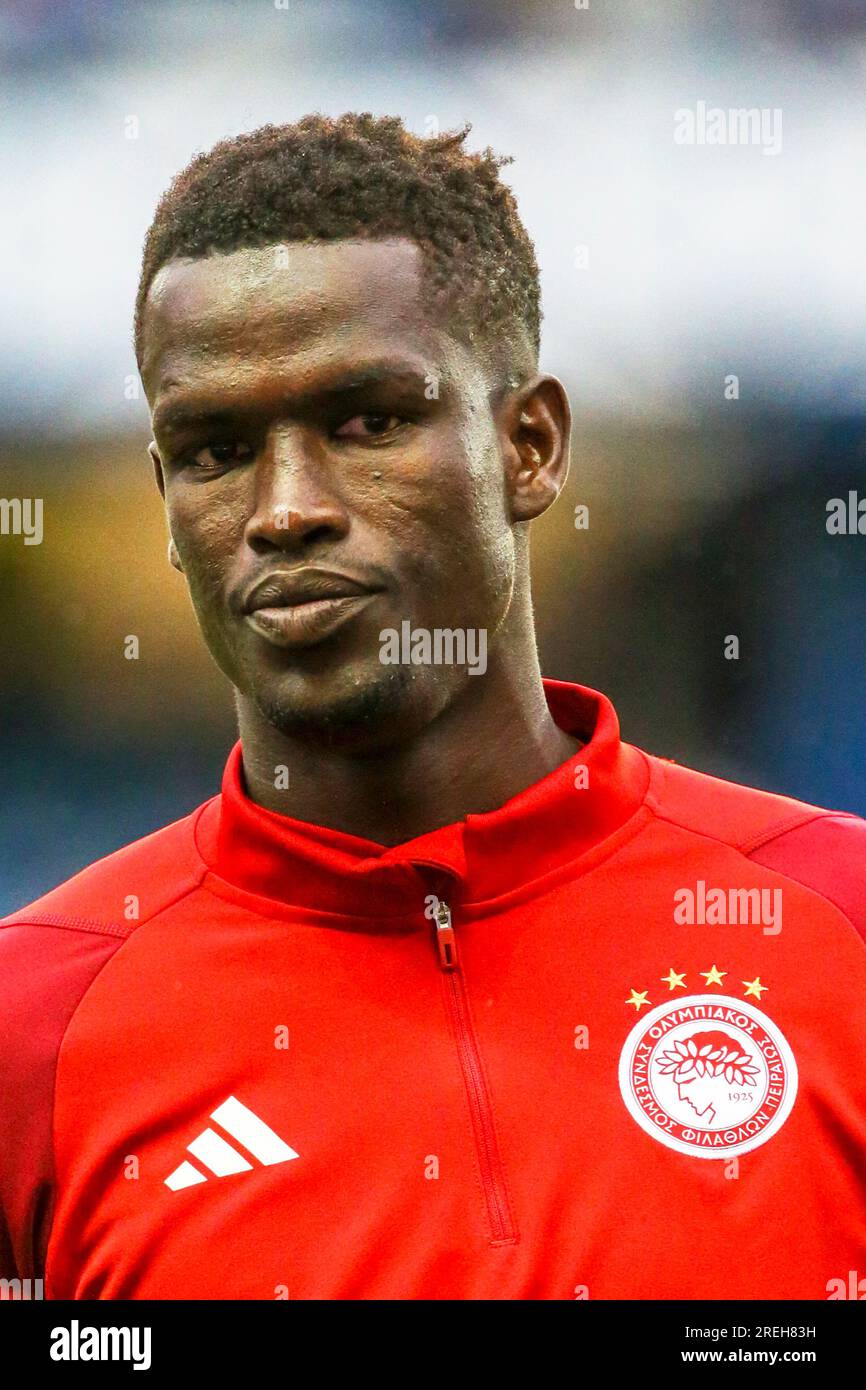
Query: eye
[(216, 456), (369, 426)]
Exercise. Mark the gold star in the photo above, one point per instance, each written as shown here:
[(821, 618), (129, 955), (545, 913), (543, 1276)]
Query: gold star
[(673, 980), (754, 987), (713, 976), (638, 999)]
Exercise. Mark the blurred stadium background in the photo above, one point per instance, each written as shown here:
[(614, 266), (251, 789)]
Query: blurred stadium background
[(707, 515)]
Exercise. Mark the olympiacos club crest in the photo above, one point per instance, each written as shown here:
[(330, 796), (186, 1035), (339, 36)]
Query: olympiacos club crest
[(708, 1075)]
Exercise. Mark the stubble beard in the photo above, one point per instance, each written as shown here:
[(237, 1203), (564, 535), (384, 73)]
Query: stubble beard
[(370, 714)]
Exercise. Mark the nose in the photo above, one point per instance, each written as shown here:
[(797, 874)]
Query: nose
[(296, 501)]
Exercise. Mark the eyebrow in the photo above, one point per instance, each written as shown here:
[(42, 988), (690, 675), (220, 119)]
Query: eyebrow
[(178, 415)]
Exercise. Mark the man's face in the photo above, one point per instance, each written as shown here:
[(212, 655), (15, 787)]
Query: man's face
[(313, 425)]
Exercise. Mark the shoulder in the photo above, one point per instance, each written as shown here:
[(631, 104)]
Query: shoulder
[(821, 849), (51, 951), (123, 888)]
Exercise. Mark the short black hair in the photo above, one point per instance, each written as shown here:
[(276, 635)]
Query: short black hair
[(358, 175)]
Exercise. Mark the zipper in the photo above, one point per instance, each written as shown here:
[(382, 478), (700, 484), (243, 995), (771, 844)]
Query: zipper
[(502, 1228)]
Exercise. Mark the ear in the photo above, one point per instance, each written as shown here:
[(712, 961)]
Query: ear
[(173, 556), (537, 423)]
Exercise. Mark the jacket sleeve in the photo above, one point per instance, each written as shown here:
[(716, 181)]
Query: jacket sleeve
[(828, 855), (45, 971)]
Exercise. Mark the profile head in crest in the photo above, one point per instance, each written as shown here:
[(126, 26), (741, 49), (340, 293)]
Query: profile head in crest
[(705, 1066)]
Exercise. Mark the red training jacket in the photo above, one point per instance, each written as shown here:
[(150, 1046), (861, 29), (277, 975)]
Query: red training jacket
[(606, 1041)]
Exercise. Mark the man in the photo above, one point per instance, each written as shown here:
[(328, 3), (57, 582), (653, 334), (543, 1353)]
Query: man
[(450, 993)]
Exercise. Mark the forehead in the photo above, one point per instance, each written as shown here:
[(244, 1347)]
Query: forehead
[(284, 306)]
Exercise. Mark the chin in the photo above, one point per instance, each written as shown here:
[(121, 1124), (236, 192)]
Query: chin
[(363, 709)]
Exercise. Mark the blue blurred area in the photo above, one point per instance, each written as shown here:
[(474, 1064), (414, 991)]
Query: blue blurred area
[(69, 806)]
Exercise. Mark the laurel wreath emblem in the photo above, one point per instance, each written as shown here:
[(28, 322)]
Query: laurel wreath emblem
[(688, 1061)]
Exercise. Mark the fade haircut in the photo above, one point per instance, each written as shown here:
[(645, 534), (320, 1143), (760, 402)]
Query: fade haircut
[(358, 175)]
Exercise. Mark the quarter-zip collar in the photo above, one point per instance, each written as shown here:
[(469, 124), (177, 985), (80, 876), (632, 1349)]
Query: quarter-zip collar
[(544, 827)]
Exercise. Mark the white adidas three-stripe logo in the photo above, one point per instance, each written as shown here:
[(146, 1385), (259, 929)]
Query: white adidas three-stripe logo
[(221, 1158)]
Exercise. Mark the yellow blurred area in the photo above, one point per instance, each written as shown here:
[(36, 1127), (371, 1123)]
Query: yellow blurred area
[(99, 577), (101, 574)]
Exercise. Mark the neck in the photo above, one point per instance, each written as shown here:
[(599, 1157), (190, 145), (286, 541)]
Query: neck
[(494, 739)]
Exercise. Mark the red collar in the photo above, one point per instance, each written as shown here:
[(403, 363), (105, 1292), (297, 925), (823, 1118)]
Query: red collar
[(543, 828)]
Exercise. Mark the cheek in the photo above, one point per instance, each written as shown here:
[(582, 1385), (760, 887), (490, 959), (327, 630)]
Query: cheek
[(453, 483), (206, 539), (207, 536), (447, 521)]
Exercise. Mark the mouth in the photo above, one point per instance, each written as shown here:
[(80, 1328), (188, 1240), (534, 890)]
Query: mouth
[(301, 608)]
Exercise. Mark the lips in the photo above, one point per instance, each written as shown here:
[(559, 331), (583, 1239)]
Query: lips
[(302, 607), (289, 587)]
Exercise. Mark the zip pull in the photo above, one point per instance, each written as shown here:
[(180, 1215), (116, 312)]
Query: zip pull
[(445, 939)]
